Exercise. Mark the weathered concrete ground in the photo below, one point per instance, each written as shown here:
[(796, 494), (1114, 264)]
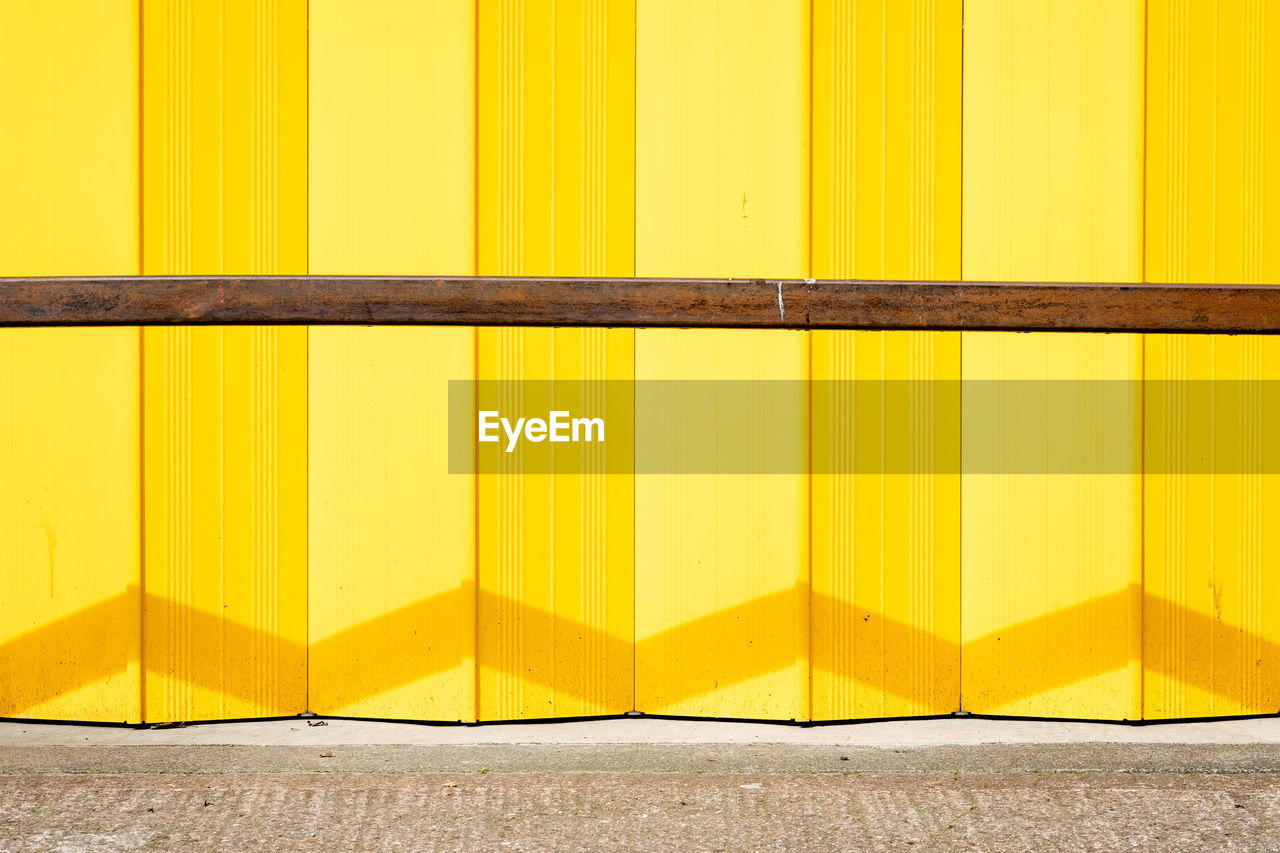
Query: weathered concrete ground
[(627, 785)]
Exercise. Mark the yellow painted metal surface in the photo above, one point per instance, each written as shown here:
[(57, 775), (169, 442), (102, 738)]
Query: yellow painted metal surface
[(224, 137), (224, 149), (1053, 133), (1211, 645), (886, 139), (70, 524), (886, 204), (1051, 563), (722, 138), (1053, 109), (1212, 131), (392, 534), (204, 522), (722, 131), (391, 146), (722, 563), (225, 462), (392, 585), (556, 178), (69, 138), (556, 168), (556, 609), (70, 495), (885, 543)]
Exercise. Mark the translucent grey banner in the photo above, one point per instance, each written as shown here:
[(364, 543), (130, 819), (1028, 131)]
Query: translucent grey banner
[(870, 427)]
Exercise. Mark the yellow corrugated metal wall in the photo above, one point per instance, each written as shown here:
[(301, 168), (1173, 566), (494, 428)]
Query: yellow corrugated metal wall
[(392, 191), (204, 523), (1053, 191), (1211, 644), (885, 547), (224, 151), (556, 181), (71, 490), (722, 562)]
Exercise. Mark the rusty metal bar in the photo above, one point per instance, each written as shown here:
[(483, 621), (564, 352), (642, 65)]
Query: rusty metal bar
[(709, 303)]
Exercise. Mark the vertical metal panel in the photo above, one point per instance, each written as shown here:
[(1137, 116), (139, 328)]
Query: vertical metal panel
[(556, 197), (224, 191), (70, 505), (886, 204), (225, 419), (69, 138), (594, 530), (885, 544), (1051, 571), (722, 105), (392, 589), (392, 137), (886, 139), (224, 174), (1052, 190), (1211, 200), (1053, 106), (392, 534), (1209, 645), (556, 581), (70, 496), (722, 563), (557, 138), (722, 128)]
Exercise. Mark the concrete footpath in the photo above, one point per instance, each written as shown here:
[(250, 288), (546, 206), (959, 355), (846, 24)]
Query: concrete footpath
[(644, 784)]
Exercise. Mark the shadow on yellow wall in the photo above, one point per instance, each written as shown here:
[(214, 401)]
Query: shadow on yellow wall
[(66, 647)]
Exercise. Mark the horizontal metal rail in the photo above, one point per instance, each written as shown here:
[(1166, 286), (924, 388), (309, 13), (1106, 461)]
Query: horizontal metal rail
[(639, 302)]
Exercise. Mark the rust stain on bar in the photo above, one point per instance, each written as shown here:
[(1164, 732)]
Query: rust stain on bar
[(637, 302)]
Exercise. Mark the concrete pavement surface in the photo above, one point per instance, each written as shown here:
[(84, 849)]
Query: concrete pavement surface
[(637, 730), (642, 784)]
